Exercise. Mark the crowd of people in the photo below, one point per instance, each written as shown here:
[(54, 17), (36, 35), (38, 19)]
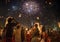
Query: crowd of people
[(14, 32)]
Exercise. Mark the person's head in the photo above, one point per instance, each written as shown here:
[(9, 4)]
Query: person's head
[(10, 20), (36, 25), (18, 25)]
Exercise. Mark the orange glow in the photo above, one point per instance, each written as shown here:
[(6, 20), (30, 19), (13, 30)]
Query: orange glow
[(59, 24)]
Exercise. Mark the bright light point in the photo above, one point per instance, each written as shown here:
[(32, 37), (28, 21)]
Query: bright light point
[(13, 7), (27, 4), (19, 15), (50, 3), (26, 29), (37, 18), (32, 23)]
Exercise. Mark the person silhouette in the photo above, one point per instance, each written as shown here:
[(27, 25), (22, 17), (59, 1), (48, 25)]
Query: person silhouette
[(9, 29), (22, 34)]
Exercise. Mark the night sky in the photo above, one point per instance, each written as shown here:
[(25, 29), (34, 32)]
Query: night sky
[(49, 9)]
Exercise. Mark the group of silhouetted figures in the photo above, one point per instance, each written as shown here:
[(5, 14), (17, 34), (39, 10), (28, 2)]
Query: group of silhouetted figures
[(9, 36), (8, 32)]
